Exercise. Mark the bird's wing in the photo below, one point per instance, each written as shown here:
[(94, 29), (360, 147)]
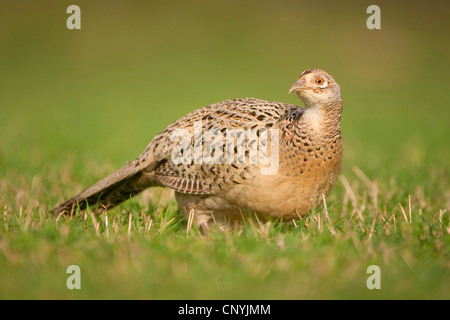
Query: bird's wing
[(231, 118)]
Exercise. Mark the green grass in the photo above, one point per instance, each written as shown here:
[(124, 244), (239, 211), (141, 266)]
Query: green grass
[(76, 105), (141, 251)]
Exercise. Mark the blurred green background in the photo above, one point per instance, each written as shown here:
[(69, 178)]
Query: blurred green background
[(135, 66), (95, 97)]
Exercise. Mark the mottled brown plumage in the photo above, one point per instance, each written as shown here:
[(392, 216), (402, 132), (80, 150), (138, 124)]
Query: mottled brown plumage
[(308, 155)]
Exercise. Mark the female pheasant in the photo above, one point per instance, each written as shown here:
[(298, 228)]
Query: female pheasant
[(239, 157)]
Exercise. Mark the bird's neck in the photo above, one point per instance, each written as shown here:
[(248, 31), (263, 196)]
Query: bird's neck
[(322, 119)]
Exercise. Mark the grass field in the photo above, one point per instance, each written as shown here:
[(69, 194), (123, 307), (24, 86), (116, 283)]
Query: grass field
[(77, 104)]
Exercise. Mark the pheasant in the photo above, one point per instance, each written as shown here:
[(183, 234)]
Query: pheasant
[(237, 158)]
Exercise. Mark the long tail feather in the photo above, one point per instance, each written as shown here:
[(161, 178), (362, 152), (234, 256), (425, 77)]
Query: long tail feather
[(110, 191)]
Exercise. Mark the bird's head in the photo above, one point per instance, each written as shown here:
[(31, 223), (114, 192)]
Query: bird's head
[(316, 87)]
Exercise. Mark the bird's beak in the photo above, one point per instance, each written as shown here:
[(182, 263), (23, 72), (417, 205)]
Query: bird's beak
[(298, 85)]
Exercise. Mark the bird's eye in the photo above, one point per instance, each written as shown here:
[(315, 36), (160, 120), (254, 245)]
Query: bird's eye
[(320, 81)]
